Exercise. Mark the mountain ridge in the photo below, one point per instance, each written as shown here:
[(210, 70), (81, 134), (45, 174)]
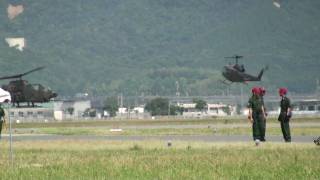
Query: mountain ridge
[(146, 47)]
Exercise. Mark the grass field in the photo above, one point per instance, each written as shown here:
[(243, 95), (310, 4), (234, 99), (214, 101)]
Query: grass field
[(154, 160), (81, 159)]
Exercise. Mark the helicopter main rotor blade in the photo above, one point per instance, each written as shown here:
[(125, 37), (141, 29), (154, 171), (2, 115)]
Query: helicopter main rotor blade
[(33, 70), (234, 57), (20, 75), (9, 77)]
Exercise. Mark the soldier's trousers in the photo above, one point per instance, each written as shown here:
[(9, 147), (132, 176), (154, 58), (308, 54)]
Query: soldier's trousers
[(285, 127), (263, 134), (258, 126)]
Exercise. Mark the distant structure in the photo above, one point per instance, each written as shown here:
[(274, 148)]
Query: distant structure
[(318, 88), (18, 43), (71, 109), (177, 89), (137, 112), (276, 4), (52, 111), (38, 114), (211, 110), (14, 11)]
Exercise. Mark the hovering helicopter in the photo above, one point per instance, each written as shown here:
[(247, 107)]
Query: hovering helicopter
[(276, 3), (237, 73), (22, 91)]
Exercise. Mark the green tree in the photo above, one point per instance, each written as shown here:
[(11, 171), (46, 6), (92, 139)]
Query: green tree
[(70, 110), (90, 112), (175, 110), (200, 104), (227, 110), (158, 106), (111, 105)]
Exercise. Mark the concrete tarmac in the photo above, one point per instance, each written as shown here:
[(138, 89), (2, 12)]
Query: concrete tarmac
[(202, 138)]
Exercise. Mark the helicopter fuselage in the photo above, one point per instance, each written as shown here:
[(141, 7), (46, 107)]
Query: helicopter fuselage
[(22, 91), (234, 75)]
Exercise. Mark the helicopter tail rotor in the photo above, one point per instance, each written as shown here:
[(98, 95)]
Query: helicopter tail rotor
[(260, 74)]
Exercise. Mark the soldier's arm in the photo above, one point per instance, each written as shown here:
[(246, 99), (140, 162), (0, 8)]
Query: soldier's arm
[(3, 115), (250, 115), (263, 112), (1, 112), (289, 108), (249, 106)]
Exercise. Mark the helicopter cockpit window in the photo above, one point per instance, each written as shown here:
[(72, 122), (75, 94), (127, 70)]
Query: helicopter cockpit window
[(20, 114), (46, 88), (239, 67), (36, 87), (242, 68)]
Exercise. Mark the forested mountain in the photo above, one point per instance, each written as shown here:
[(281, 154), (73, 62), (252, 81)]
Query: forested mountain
[(147, 47)]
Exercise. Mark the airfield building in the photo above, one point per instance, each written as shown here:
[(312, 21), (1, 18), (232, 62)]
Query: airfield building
[(211, 110), (53, 111)]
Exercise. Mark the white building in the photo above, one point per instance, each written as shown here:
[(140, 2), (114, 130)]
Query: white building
[(31, 114), (70, 109), (211, 110), (134, 113)]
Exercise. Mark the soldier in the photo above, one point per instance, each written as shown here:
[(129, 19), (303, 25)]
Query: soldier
[(2, 119), (262, 93), (285, 114), (256, 115)]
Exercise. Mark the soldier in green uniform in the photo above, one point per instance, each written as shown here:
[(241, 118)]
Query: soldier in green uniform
[(2, 120), (262, 93), (285, 114), (256, 115)]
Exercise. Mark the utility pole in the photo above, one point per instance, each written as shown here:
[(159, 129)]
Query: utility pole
[(168, 109), (317, 88), (241, 96), (120, 101), (177, 92), (7, 106), (177, 89)]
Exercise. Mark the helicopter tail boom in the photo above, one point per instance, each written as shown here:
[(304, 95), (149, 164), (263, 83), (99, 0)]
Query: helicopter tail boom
[(260, 74)]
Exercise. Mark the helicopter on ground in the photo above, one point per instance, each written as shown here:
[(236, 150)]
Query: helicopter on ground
[(22, 91), (237, 73)]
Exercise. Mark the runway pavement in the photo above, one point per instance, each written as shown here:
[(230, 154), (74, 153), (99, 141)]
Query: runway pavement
[(231, 125), (203, 138)]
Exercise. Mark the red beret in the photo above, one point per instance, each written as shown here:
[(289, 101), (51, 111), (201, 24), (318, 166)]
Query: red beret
[(283, 91), (255, 90), (262, 90)]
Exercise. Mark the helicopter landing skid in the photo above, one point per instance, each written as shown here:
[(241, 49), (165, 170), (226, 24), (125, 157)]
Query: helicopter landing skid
[(317, 141), (225, 82)]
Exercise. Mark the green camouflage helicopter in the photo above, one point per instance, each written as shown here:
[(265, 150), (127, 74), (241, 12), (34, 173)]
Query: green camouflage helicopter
[(23, 92)]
